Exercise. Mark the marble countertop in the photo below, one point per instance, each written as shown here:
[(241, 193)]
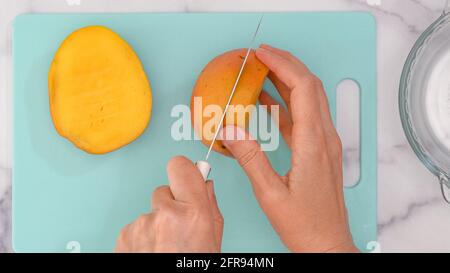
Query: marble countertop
[(412, 215)]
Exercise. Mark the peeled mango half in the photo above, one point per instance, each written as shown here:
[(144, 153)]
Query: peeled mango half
[(100, 97)]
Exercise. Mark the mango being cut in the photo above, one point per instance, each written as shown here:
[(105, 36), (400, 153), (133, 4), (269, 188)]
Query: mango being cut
[(213, 88), (100, 98)]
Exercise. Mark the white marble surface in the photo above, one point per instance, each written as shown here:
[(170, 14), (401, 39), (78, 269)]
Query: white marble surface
[(411, 213)]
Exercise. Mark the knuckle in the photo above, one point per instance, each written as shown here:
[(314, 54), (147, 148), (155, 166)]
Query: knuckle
[(319, 151), (249, 155), (166, 217), (161, 205), (169, 214), (334, 146), (120, 245), (162, 217), (141, 222), (288, 53), (165, 209), (337, 148), (159, 190), (220, 219), (310, 80), (272, 197), (177, 162), (194, 209), (122, 234), (337, 145), (307, 82), (317, 81), (199, 213)]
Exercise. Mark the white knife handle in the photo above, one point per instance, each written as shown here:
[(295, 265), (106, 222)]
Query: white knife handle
[(204, 168)]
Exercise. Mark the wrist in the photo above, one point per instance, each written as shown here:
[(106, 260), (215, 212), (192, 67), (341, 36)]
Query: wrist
[(346, 247), (322, 245)]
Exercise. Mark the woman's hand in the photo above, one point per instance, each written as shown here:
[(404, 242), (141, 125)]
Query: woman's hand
[(305, 206), (184, 217)]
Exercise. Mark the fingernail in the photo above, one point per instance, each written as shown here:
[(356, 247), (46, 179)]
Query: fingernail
[(210, 181), (262, 50), (230, 134)]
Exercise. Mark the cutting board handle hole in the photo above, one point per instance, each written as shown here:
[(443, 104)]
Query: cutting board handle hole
[(348, 124)]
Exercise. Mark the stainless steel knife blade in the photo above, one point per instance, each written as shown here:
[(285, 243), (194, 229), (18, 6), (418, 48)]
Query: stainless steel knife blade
[(203, 165)]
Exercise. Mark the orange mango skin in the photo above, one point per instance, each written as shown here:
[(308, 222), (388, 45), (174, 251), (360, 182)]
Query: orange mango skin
[(100, 98), (214, 86)]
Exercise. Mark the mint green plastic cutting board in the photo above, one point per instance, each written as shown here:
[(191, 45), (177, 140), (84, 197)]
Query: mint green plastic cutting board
[(62, 194)]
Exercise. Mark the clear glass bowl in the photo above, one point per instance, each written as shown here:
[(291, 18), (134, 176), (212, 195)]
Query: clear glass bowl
[(425, 95)]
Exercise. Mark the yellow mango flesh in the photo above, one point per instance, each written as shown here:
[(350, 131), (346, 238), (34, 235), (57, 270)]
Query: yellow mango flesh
[(214, 86), (100, 98)]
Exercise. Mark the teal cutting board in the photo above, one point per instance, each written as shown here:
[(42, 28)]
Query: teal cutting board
[(64, 198)]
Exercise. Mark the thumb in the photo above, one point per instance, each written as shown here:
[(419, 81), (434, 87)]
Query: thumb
[(249, 155)]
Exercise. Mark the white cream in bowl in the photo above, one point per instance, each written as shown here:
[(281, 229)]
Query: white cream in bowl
[(438, 100)]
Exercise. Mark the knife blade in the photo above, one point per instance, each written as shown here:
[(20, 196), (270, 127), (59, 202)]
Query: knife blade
[(203, 166)]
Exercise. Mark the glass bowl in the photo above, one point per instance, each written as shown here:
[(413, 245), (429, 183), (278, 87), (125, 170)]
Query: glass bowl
[(424, 100)]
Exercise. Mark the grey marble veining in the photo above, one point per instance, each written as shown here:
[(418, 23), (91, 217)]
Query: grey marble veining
[(5, 210), (411, 213)]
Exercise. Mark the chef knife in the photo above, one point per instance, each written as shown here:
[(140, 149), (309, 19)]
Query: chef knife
[(203, 165)]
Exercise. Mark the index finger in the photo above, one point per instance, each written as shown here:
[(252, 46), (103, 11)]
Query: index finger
[(286, 70), (304, 100)]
